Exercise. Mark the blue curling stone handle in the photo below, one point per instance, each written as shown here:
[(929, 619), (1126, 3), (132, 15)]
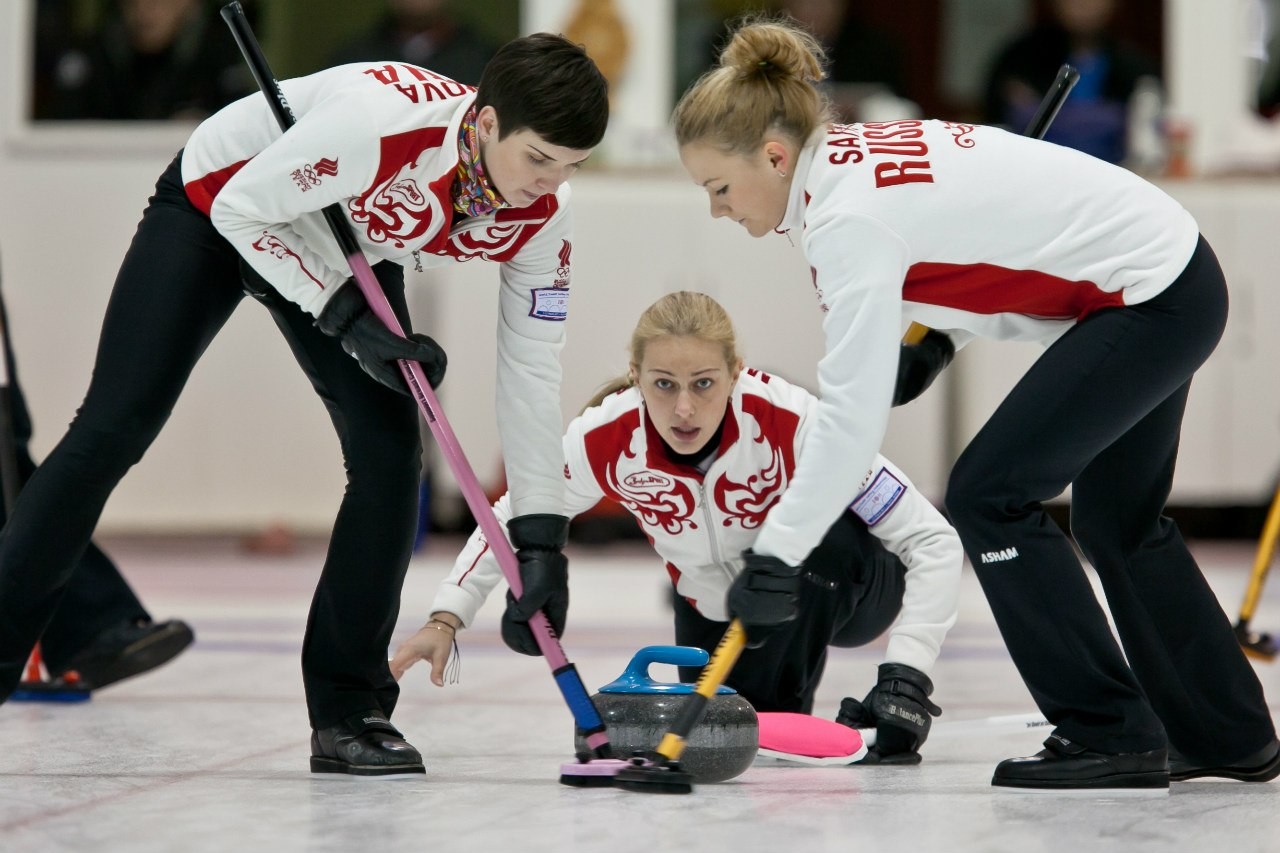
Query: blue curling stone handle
[(635, 678)]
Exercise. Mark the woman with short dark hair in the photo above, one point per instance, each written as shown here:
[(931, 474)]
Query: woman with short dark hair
[(427, 170)]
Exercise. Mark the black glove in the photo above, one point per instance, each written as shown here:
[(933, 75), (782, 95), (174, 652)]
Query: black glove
[(544, 576), (919, 364), (764, 596), (373, 345), (899, 708)]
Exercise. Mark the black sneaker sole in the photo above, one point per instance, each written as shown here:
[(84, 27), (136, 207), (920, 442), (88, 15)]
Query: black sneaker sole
[(897, 759), (1145, 781), (1264, 773), (143, 655), (321, 764)]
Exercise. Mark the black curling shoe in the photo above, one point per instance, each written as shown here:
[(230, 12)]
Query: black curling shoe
[(128, 649), (1262, 766), (364, 744), (1063, 764)]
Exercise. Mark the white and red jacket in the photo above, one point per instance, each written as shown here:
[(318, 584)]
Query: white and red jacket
[(701, 523), (971, 230), (381, 140)]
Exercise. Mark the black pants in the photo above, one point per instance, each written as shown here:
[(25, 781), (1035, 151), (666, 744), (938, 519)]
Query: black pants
[(851, 594), (97, 597), (1101, 411), (178, 285)]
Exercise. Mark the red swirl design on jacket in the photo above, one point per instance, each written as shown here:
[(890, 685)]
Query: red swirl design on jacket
[(748, 502), (616, 451), (273, 245), (502, 239), (395, 208), (396, 211), (495, 243), (670, 505), (960, 133)]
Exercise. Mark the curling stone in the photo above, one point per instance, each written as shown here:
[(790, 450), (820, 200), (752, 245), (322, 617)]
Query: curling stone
[(637, 711)]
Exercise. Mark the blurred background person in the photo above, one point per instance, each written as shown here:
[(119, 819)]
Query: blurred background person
[(145, 60), (1262, 47), (1078, 32), (422, 32), (865, 78)]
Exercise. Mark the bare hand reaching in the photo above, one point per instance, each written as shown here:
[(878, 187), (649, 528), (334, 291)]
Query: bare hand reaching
[(433, 642)]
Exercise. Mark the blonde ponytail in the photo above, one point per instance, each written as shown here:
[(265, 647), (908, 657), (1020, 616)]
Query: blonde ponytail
[(608, 389)]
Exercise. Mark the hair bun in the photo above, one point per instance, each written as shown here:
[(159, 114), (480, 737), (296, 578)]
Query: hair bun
[(764, 83), (773, 50)]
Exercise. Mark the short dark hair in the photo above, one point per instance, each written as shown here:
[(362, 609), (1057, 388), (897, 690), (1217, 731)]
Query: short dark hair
[(549, 85)]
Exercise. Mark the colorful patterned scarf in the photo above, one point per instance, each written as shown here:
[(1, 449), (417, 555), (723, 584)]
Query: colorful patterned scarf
[(473, 194)]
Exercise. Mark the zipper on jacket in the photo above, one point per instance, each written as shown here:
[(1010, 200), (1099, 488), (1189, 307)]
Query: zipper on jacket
[(709, 521)]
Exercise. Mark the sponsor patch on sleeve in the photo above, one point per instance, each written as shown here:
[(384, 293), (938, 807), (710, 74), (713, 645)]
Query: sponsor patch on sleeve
[(550, 303), (877, 499)]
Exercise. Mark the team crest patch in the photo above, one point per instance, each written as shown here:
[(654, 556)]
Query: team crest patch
[(877, 499), (550, 303)]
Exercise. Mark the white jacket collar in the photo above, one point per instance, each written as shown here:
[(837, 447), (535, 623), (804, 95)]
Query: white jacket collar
[(798, 201)]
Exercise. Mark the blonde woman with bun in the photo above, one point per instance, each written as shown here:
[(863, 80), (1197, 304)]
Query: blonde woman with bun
[(699, 449), (977, 232)]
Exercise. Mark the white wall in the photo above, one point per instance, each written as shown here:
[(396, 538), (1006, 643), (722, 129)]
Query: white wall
[(637, 238), (249, 443)]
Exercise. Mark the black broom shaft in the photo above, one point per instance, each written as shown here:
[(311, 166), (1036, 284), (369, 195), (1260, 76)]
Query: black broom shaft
[(1052, 102), (233, 14)]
